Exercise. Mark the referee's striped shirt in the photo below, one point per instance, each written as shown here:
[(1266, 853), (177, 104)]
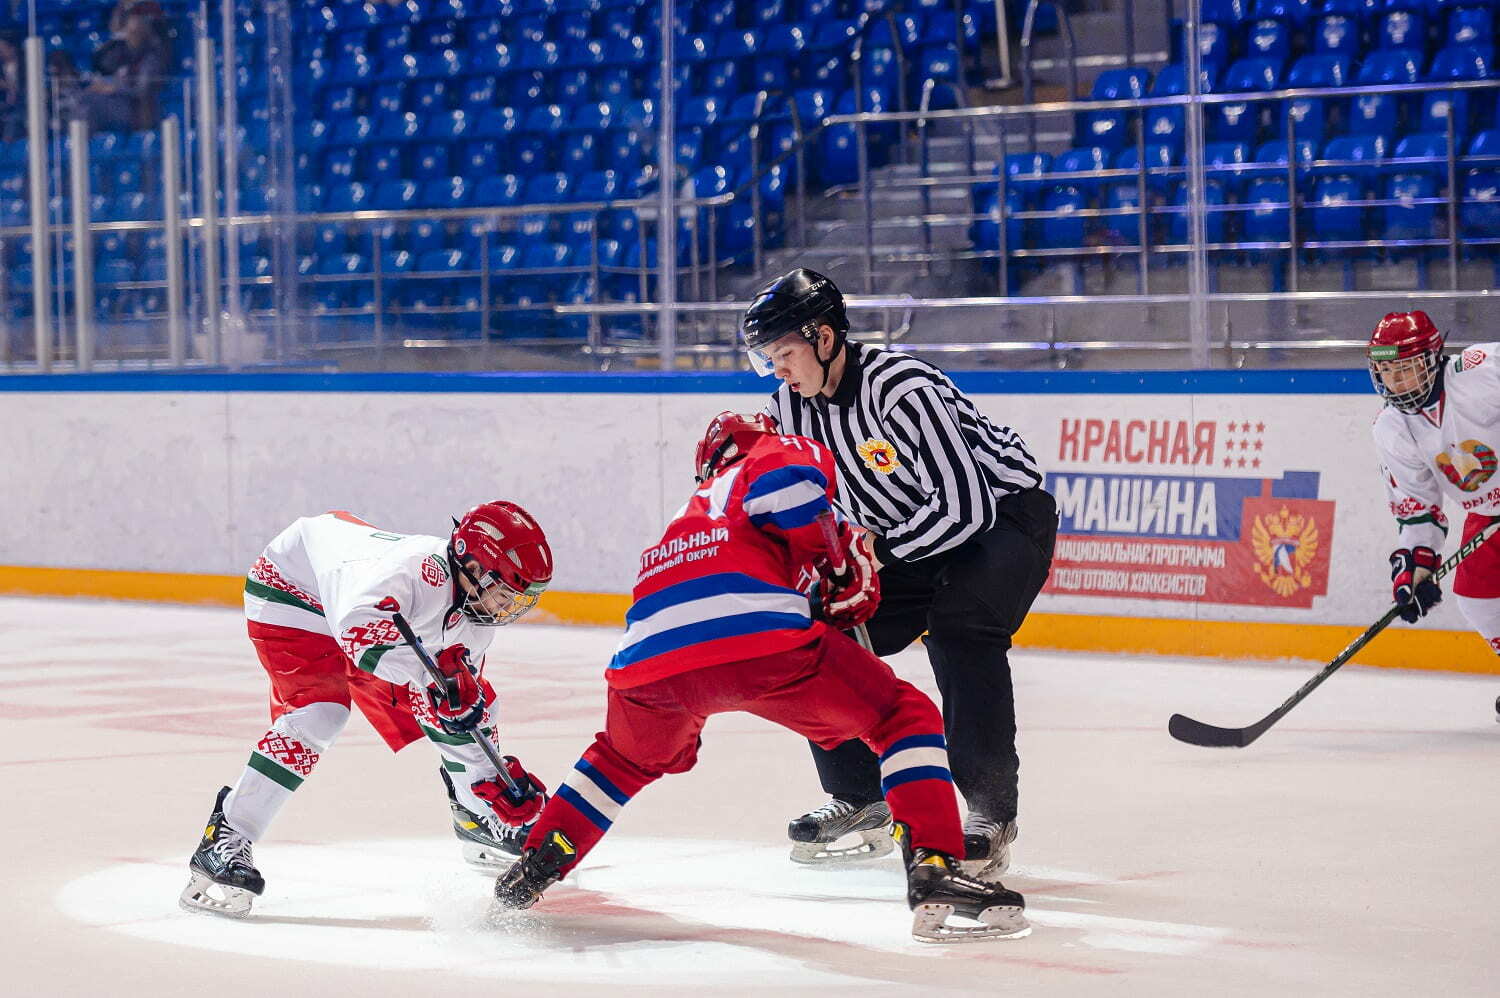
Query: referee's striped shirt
[(918, 464)]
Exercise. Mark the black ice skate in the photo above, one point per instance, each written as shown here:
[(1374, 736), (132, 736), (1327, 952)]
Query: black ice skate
[(987, 847), (537, 869), (485, 852), (224, 878), (938, 892), (815, 833)]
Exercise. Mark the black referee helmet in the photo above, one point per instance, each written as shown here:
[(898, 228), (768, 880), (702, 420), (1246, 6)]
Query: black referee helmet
[(796, 302)]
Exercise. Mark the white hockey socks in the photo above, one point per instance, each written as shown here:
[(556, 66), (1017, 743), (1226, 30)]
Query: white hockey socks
[(281, 761)]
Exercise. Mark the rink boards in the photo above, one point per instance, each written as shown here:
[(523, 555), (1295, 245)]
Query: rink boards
[(1213, 513)]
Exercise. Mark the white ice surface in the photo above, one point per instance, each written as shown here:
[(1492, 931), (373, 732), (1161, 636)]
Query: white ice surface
[(1351, 851)]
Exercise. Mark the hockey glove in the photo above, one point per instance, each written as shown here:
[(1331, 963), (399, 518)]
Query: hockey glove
[(1412, 584), (510, 811), (850, 598), (458, 702)]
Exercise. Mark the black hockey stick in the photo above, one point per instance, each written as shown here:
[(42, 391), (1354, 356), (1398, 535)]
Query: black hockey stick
[(490, 752), (839, 565), (1185, 729)]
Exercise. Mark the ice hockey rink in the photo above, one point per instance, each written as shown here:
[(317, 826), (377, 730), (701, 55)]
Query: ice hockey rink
[(1351, 851)]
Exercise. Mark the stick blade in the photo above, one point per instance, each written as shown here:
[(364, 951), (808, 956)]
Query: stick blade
[(1185, 729)]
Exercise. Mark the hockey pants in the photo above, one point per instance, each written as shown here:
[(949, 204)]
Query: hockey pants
[(829, 691)]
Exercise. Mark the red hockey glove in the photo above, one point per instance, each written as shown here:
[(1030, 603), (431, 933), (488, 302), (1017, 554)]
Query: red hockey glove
[(497, 795), (1412, 585), (458, 702), (850, 598)]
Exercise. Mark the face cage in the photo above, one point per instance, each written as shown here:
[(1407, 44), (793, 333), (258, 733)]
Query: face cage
[(760, 359), (1425, 365), (516, 604)]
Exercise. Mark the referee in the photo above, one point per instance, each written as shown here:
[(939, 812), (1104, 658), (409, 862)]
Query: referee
[(964, 543)]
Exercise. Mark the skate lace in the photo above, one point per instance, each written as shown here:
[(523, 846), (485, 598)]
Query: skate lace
[(230, 846), (833, 810), (978, 824)]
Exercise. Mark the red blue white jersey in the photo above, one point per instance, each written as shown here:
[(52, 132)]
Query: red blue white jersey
[(729, 578)]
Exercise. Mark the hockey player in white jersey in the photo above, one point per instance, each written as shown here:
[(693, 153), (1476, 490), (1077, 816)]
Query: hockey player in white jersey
[(1438, 434), (320, 604)]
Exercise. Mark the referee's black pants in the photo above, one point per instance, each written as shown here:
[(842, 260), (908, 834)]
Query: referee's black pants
[(969, 601)]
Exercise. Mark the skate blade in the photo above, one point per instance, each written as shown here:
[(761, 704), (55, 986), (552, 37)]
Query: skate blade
[(930, 924), (488, 860), (202, 894), (874, 843)]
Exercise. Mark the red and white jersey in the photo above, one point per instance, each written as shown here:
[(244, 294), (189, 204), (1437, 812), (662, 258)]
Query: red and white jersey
[(335, 574), (1448, 448)]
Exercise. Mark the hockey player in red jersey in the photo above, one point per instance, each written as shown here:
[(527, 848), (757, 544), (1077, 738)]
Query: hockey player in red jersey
[(320, 603), (1438, 435), (721, 621)]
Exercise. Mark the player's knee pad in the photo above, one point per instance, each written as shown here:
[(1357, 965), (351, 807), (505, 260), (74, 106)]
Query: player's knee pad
[(317, 724)]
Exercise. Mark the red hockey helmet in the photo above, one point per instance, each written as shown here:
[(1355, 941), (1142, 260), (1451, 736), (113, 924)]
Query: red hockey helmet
[(1406, 359), (503, 553), (728, 437)]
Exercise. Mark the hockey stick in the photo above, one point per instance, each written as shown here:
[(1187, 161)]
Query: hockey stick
[(839, 565), (1185, 729), (490, 752)]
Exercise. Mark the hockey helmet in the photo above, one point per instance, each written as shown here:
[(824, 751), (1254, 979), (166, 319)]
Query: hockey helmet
[(1406, 360), (797, 302), (503, 553), (727, 438)]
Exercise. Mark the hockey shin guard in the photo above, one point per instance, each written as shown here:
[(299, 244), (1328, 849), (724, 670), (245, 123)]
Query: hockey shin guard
[(587, 803), (282, 759), (914, 775)]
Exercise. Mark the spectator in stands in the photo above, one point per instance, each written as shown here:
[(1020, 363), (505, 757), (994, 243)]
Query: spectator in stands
[(12, 91), (129, 72)]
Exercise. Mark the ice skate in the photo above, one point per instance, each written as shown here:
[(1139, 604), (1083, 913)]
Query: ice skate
[(485, 852), (224, 878), (987, 847), (522, 885), (815, 833), (938, 893)]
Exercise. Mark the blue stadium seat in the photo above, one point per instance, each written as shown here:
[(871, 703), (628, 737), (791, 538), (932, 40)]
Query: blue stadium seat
[(580, 152), (500, 189), (1355, 157), (1409, 220), (450, 193), (1222, 162), (430, 160), (1270, 40), (1334, 212), (1470, 26), (1479, 212), (1215, 45), (1375, 114), (1295, 12), (1111, 128), (1165, 160), (395, 194), (1402, 29), (1268, 219), (1337, 34), (1240, 121), (1309, 115), (450, 127), (1214, 222), (383, 162), (548, 188), (1126, 228), (1484, 150), (1082, 160), (1423, 145), (1454, 63), (1166, 124), (984, 232), (1271, 160), (1066, 230)]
